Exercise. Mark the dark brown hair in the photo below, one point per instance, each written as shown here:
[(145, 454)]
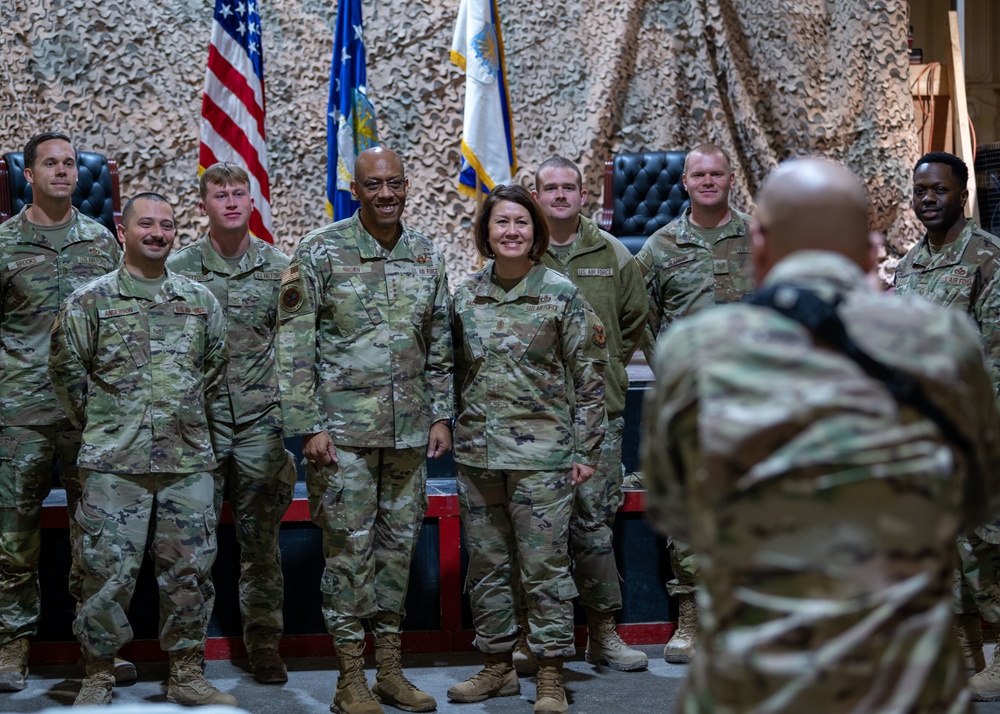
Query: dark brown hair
[(521, 196)]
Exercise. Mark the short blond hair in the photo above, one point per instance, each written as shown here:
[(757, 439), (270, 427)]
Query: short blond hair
[(223, 173)]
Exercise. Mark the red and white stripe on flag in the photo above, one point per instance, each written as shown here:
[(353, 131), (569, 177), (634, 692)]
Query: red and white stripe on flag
[(232, 109)]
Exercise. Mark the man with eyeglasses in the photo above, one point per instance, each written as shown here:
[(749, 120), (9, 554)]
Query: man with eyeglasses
[(365, 355)]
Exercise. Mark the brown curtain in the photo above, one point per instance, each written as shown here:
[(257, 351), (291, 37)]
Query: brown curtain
[(766, 79)]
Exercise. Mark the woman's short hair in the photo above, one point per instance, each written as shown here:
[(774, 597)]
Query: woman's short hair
[(521, 196)]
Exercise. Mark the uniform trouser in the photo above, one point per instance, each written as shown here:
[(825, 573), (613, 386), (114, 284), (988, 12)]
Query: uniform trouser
[(519, 519), (684, 567), (370, 506), (27, 455), (115, 515), (977, 585), (594, 507), (257, 475)]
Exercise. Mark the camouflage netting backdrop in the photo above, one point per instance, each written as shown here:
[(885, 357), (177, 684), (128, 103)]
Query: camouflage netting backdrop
[(767, 79)]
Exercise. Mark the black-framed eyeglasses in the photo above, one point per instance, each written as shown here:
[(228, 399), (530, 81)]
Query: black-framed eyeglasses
[(374, 185)]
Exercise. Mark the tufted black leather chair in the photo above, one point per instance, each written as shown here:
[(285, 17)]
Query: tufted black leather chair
[(642, 193), (97, 192)]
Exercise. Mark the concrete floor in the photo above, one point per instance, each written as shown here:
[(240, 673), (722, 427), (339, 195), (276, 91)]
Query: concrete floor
[(593, 690)]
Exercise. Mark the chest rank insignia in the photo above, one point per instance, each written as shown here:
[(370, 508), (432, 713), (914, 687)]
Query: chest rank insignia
[(94, 250), (423, 259), (291, 298), (599, 338), (960, 272)]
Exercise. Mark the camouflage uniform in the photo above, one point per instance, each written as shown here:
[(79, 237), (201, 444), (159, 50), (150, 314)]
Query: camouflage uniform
[(823, 511), (34, 280), (684, 275), (520, 428), (255, 471), (604, 271), (365, 354), (965, 275), (137, 376)]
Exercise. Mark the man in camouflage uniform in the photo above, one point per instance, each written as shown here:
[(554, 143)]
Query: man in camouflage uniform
[(957, 264), (46, 251), (822, 506), (700, 259), (244, 274), (603, 269), (365, 349), (135, 358)]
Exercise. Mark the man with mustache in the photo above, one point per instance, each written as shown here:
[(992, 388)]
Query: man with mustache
[(46, 251), (700, 259), (135, 358), (957, 264), (609, 279), (364, 344)]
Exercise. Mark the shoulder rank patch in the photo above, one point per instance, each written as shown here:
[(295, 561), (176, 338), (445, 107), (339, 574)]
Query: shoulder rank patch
[(600, 339), (291, 297)]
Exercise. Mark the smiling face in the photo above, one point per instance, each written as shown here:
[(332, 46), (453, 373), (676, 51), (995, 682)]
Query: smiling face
[(511, 235), (938, 198), (708, 180), (559, 193), (381, 187), (53, 174), (147, 230)]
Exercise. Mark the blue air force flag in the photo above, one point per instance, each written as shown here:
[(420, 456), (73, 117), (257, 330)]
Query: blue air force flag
[(350, 121), (488, 129)]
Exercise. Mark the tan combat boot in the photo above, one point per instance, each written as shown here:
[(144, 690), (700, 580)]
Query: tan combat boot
[(550, 695), (187, 684), (391, 686), (497, 678), (524, 661), (98, 682), (680, 648), (353, 695), (125, 671), (14, 665), (969, 628), (605, 646), (985, 686), (267, 667)]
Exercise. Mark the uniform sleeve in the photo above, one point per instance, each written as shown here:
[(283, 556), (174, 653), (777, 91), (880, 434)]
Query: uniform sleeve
[(670, 445), (298, 309), (70, 359), (216, 351), (986, 313), (646, 264), (584, 347), (634, 310), (439, 369)]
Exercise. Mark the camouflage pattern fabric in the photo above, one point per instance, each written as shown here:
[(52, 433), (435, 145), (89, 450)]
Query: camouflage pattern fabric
[(965, 276), (684, 566), (513, 518), (258, 477), (595, 505), (823, 512), (519, 357), (363, 344), (370, 507), (137, 375), (610, 280), (255, 471), (114, 518), (684, 274), (35, 278)]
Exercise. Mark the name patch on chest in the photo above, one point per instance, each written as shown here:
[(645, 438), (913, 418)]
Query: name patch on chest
[(679, 260), (350, 269), (957, 279), (266, 275), (190, 310), (596, 272), (118, 311), (743, 249), (538, 308), (427, 272), (25, 262), (89, 260), (198, 277)]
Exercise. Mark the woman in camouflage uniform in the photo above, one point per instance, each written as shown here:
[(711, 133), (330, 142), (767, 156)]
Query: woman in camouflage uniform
[(525, 341)]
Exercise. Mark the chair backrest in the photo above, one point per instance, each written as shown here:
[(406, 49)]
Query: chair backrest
[(97, 191), (642, 193)]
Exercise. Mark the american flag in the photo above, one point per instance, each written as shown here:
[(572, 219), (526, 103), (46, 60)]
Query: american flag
[(232, 108)]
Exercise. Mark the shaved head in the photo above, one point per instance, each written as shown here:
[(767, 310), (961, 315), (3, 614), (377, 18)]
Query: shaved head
[(811, 204)]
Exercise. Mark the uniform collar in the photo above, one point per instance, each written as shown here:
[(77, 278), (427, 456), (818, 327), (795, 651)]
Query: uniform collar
[(950, 254), (530, 287), (27, 234), (371, 249), (211, 260), (128, 287)]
